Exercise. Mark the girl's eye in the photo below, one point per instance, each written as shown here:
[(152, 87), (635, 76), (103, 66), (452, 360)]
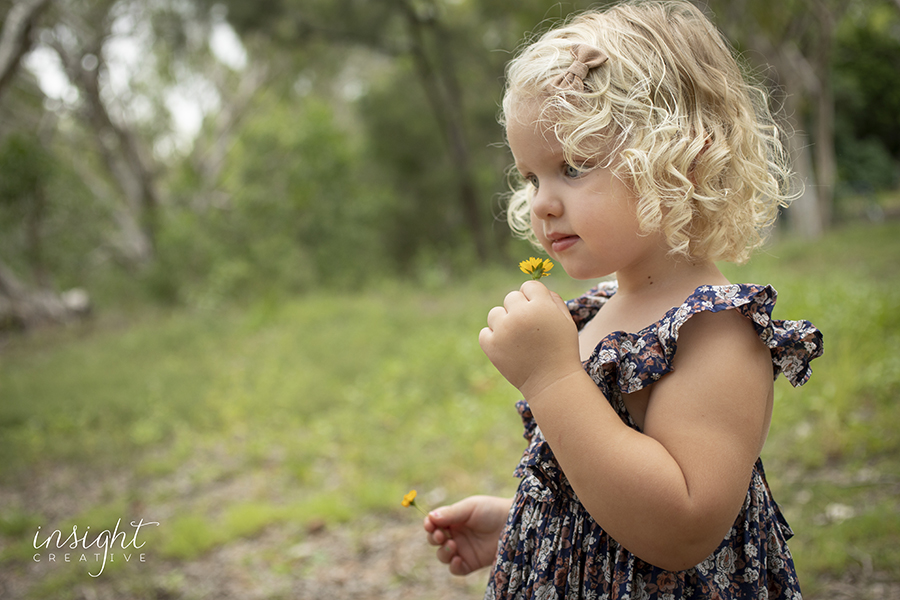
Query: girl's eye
[(533, 180), (572, 172)]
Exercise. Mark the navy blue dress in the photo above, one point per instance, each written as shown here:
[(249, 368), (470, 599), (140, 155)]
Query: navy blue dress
[(551, 548)]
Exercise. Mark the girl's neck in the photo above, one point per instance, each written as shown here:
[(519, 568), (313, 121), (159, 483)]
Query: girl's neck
[(669, 278), (644, 296)]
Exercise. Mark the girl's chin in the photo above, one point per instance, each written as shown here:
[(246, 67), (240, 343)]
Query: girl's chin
[(582, 272)]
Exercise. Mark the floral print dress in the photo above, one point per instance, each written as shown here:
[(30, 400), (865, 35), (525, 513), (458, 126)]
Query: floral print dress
[(551, 548)]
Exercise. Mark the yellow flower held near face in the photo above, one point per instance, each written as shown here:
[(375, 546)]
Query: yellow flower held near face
[(536, 267)]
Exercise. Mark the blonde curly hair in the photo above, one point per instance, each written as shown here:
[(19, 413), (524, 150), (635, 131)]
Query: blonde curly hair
[(693, 138)]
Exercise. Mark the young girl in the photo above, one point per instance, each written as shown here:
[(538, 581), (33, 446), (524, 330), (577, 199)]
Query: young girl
[(643, 153)]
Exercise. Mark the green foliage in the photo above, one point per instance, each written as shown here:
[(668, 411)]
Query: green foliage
[(866, 53), (408, 159), (290, 212), (867, 98), (47, 218), (342, 168), (25, 166)]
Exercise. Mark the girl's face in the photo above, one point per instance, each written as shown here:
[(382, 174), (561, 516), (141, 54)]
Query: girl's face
[(583, 215)]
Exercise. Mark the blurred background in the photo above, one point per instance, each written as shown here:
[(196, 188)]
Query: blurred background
[(246, 248)]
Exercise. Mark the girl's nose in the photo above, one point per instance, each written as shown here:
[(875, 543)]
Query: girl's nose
[(545, 204)]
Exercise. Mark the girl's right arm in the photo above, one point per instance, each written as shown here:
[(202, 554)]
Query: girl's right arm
[(671, 492), (467, 532)]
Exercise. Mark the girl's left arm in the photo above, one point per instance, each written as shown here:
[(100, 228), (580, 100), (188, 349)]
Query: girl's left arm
[(668, 494)]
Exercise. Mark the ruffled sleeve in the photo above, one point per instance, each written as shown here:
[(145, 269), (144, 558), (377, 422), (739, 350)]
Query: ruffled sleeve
[(634, 360), (585, 307), (626, 362)]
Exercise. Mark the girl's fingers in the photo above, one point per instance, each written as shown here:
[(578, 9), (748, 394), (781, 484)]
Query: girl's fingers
[(561, 304), (495, 314), (459, 567), (447, 552), (532, 289), (513, 298), (437, 537)]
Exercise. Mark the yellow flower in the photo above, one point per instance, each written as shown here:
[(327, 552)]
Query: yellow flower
[(536, 267), (409, 499)]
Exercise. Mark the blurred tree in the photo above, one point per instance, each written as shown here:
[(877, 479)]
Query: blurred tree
[(15, 37), (434, 137), (279, 217), (342, 138), (23, 164), (127, 63), (394, 28), (81, 38), (867, 96), (26, 169), (796, 37), (330, 31), (44, 231), (132, 64)]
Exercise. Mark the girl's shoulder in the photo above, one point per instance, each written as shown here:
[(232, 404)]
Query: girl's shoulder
[(584, 307), (650, 351)]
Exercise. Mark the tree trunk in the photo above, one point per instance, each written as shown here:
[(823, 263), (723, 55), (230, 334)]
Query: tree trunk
[(799, 83), (15, 38), (125, 160), (804, 213), (208, 158), (445, 99), (825, 160), (797, 42), (23, 308), (20, 306), (34, 239)]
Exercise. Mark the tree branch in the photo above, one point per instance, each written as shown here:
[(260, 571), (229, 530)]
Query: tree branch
[(14, 39), (210, 158), (121, 152), (444, 96)]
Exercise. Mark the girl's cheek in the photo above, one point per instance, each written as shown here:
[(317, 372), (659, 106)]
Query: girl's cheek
[(538, 229), (545, 244)]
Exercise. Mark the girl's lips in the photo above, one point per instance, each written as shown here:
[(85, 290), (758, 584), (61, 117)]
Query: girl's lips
[(564, 243)]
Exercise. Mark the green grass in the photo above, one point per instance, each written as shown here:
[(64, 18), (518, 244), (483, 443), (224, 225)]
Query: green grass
[(323, 408)]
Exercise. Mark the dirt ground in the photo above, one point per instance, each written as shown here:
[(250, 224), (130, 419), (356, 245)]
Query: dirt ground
[(385, 560), (370, 558), (371, 561), (373, 557)]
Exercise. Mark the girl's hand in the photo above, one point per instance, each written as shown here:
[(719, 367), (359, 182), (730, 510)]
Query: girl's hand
[(531, 339), (474, 525)]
